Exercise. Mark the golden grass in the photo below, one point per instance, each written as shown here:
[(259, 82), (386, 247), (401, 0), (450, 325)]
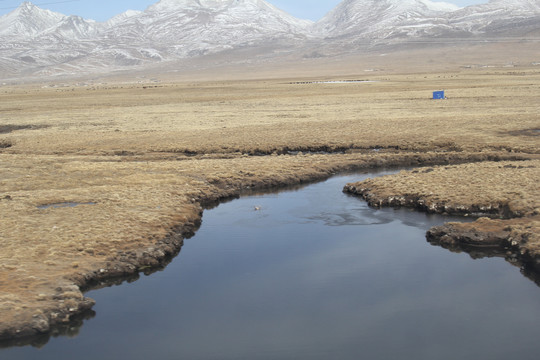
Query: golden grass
[(508, 189), (139, 161), (501, 189), (484, 110)]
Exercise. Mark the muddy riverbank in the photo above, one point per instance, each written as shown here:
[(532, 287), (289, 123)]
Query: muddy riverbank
[(264, 269), (506, 192), (513, 240), (136, 165), (46, 309)]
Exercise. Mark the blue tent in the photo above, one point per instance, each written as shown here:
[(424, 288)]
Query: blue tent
[(438, 95)]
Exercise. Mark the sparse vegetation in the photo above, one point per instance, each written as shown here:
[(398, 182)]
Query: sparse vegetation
[(4, 129), (146, 159), (497, 189), (507, 192), (5, 144)]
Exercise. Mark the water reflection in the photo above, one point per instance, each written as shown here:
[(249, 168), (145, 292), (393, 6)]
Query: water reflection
[(357, 217), (285, 282), (528, 267), (70, 329)]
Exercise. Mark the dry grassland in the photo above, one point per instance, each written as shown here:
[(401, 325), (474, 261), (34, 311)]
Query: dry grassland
[(499, 189), (127, 166), (503, 190)]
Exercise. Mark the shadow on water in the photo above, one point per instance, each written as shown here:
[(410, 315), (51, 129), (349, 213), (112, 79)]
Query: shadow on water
[(527, 267), (70, 330)]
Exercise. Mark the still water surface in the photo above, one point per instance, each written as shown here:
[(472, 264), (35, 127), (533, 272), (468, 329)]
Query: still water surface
[(312, 274)]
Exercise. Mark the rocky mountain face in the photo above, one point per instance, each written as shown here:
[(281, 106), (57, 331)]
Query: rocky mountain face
[(184, 28), (499, 18), (388, 19), (41, 42), (45, 42), (381, 19), (27, 21)]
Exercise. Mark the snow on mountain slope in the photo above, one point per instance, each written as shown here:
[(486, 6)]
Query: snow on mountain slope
[(169, 29), (36, 40), (503, 8), (28, 20), (115, 20), (190, 27), (73, 28), (241, 8), (496, 16), (382, 18)]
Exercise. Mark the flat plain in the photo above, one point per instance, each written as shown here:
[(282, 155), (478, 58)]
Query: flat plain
[(99, 180)]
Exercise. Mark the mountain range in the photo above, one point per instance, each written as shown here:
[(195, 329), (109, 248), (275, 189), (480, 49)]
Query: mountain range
[(34, 41), (384, 19)]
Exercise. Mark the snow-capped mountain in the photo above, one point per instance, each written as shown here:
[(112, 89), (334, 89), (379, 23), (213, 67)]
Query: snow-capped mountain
[(498, 17), (37, 41), (169, 29), (118, 19), (386, 19), (73, 28), (28, 20), (196, 27), (379, 19)]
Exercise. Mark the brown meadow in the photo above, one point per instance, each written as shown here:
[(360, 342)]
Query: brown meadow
[(96, 179)]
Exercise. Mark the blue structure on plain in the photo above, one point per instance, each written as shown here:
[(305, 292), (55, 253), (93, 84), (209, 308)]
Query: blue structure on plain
[(438, 95)]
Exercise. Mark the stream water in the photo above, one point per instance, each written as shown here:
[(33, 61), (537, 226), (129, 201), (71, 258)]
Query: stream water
[(311, 274)]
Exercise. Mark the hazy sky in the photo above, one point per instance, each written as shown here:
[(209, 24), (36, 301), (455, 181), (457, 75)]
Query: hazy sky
[(102, 10)]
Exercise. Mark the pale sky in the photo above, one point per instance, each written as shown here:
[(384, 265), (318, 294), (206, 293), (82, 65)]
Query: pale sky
[(101, 10)]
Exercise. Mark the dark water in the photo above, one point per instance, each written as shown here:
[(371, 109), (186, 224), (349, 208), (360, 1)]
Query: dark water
[(312, 274)]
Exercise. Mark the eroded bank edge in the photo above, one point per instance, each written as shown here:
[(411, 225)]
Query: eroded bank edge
[(56, 318), (498, 230)]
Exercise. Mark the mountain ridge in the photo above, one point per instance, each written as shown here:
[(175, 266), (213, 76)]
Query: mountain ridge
[(42, 42)]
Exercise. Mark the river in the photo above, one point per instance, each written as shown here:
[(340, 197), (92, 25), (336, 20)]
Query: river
[(311, 274)]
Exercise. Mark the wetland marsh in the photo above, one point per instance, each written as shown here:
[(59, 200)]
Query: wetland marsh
[(149, 158), (310, 274)]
